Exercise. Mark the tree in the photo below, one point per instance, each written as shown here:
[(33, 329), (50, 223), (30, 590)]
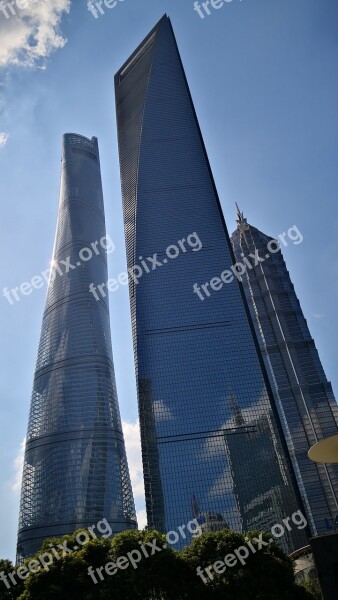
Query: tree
[(254, 567), (311, 585), (8, 591), (88, 573), (140, 565)]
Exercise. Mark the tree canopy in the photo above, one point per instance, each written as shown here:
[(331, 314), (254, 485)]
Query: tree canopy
[(140, 565)]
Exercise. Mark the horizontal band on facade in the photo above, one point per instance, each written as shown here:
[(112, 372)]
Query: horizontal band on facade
[(60, 437), (75, 298), (208, 434), (82, 360), (71, 200), (71, 524), (82, 244), (187, 328)]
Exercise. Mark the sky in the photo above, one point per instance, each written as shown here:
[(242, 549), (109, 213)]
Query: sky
[(263, 76)]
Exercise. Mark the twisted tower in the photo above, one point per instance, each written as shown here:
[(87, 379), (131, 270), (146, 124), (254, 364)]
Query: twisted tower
[(75, 469)]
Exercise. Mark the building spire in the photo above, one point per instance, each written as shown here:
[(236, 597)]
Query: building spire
[(240, 216)]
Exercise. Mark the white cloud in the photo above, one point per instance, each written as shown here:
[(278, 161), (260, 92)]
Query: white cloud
[(32, 33), (318, 315), (18, 464), (142, 518), (132, 440), (3, 138)]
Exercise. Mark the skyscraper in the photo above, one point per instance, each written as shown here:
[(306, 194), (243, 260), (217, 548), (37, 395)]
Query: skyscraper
[(75, 469), (192, 357), (303, 395)]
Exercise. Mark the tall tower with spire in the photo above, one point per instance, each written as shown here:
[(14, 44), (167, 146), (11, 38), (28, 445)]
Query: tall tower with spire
[(75, 469), (303, 396), (188, 353)]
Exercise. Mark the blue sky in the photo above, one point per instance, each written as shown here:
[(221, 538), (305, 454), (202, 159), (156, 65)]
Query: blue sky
[(263, 75)]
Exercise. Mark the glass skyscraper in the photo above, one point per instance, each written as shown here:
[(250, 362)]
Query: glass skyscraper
[(75, 468), (303, 395), (206, 411)]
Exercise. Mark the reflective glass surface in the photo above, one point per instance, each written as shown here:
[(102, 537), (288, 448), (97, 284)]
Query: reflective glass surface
[(303, 395), (75, 469), (211, 441)]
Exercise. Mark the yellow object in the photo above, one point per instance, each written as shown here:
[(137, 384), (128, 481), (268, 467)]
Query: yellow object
[(325, 451)]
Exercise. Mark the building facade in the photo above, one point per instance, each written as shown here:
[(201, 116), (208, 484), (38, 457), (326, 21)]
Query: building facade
[(192, 357), (75, 469), (305, 400)]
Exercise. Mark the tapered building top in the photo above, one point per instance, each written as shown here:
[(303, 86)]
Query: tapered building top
[(193, 338)]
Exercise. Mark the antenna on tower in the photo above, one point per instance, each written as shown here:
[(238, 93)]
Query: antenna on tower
[(240, 216)]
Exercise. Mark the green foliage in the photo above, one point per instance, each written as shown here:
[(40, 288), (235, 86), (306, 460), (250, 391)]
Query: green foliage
[(165, 574), (266, 575), (6, 567), (311, 585)]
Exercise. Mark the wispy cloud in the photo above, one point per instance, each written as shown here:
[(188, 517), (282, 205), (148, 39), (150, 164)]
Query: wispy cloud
[(18, 464), (3, 138), (318, 315), (133, 447), (32, 33)]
